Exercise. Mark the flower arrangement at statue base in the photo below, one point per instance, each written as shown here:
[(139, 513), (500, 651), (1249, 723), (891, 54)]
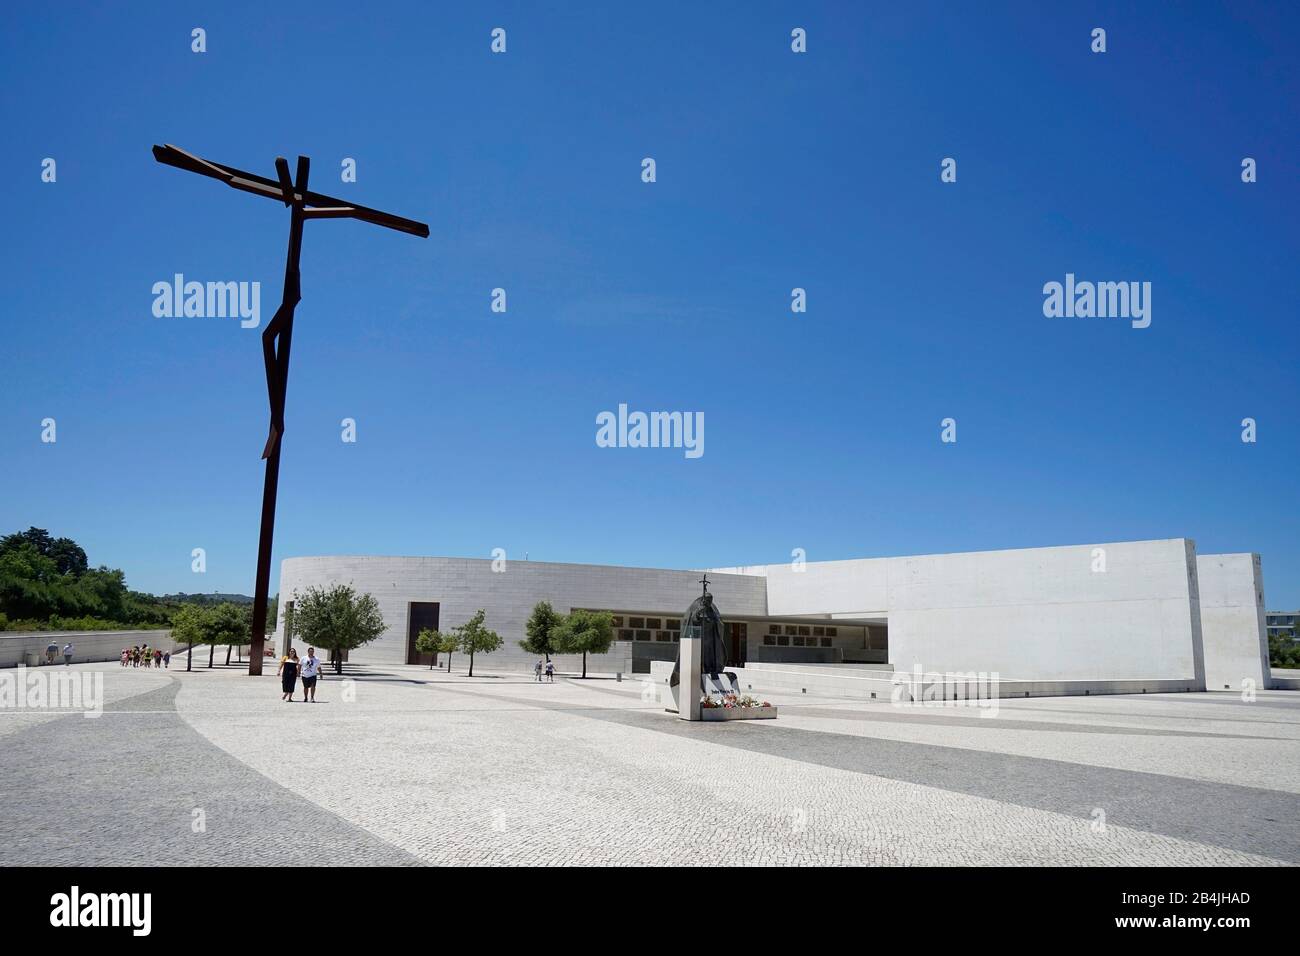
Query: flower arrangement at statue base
[(735, 707)]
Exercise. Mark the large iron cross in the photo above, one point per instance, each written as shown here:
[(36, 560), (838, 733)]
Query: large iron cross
[(277, 337)]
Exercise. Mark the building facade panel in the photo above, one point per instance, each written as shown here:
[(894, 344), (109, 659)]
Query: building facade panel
[(1232, 621), (1118, 610), (463, 585)]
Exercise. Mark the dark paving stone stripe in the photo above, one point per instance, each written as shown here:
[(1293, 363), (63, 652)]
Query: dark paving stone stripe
[(927, 717), (1181, 718), (1218, 700), (935, 715), (1247, 819), (119, 790)]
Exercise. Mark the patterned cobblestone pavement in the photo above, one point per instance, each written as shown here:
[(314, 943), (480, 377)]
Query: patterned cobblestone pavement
[(137, 785), (405, 765)]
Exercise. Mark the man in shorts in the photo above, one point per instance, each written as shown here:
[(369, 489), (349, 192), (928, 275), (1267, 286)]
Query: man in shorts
[(309, 670)]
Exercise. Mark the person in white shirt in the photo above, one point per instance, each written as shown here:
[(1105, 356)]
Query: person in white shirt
[(309, 670)]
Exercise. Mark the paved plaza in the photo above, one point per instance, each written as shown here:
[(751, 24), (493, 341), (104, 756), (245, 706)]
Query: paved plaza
[(407, 766)]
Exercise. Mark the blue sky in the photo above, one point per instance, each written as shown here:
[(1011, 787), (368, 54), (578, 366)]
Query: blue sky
[(774, 170)]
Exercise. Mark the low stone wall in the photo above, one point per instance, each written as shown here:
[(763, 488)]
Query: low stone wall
[(1285, 679), (865, 683), (86, 645)]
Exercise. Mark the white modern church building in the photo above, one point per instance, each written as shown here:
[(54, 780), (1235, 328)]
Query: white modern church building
[(1128, 617)]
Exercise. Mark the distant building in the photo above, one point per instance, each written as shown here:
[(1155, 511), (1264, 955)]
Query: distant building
[(1283, 623), (1120, 617)]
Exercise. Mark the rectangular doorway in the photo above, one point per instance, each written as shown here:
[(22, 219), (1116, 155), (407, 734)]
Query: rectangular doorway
[(419, 615), (737, 643)]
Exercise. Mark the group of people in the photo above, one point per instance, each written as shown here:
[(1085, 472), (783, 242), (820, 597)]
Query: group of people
[(146, 656), (291, 668), (549, 670)]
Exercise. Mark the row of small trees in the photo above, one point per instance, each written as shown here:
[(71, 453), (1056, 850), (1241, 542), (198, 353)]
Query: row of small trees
[(470, 638), (548, 632), (578, 632), (227, 623), (339, 619), (335, 618)]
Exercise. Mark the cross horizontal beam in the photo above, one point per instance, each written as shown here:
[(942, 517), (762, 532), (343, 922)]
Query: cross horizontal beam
[(317, 205)]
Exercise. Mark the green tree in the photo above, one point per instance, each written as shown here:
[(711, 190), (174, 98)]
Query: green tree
[(472, 638), (1283, 651), (42, 578), (337, 619), (429, 641), (234, 625), (188, 627), (585, 632), (539, 629), (450, 644), (224, 624), (38, 538), (28, 581), (68, 556)]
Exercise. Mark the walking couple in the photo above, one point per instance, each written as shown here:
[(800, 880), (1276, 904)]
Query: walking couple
[(291, 668)]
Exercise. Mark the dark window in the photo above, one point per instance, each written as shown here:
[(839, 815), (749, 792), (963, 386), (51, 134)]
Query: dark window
[(654, 623), (818, 631), (636, 622), (783, 641), (826, 642), (643, 635), (832, 632)]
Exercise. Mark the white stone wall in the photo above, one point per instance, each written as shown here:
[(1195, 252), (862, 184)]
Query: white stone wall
[(1045, 614), (86, 645), (1232, 621), (1036, 613), (463, 585)]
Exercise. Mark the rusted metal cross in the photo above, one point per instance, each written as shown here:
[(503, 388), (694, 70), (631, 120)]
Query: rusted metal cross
[(277, 337)]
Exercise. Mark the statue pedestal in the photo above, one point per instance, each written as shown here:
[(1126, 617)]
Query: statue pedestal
[(738, 713), (687, 694)]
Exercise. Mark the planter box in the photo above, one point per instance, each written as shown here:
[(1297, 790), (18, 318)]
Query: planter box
[(738, 713)]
